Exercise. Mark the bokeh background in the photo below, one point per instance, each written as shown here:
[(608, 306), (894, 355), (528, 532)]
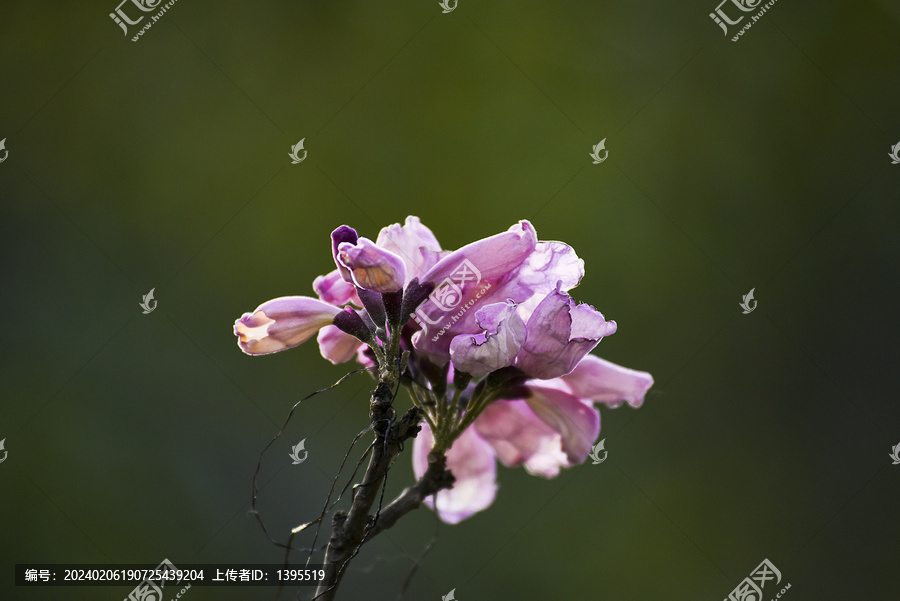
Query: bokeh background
[(164, 164)]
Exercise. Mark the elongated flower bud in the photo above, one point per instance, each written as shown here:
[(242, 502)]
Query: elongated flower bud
[(372, 267), (282, 323), (347, 234)]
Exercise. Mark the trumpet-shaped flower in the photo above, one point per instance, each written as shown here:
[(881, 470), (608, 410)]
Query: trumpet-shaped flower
[(512, 265), (496, 350), (282, 323), (551, 426)]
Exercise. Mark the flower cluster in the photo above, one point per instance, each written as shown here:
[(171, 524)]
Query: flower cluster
[(486, 339)]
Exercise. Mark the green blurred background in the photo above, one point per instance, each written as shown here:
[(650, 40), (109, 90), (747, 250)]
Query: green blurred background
[(164, 164)]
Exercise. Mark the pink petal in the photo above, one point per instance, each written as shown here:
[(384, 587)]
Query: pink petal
[(471, 460), (558, 334), (333, 289), (602, 381), (550, 264), (362, 358), (414, 243), (519, 437), (465, 278), (282, 323), (337, 346), (496, 347), (576, 421)]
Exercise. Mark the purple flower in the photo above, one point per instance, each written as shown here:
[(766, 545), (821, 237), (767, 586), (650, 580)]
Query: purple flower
[(518, 384), (372, 267), (511, 265), (400, 254), (559, 333), (552, 426), (282, 323)]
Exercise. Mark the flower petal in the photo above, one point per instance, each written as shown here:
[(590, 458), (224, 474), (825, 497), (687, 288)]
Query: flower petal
[(602, 381), (282, 323), (372, 267), (519, 437), (496, 347), (551, 264), (471, 460), (558, 334), (337, 346), (333, 289), (414, 243), (364, 356), (576, 421)]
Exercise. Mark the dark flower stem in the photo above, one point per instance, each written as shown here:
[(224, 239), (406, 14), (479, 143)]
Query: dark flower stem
[(351, 529), (434, 479)]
